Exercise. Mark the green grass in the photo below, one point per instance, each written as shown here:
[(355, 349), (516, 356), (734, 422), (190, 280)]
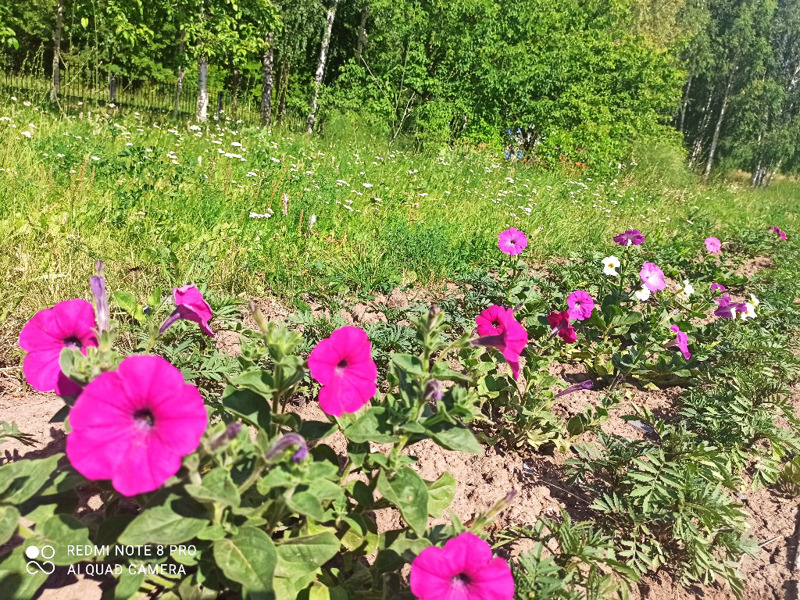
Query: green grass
[(94, 186)]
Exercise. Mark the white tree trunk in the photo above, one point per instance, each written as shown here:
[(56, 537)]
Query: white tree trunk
[(362, 31), (202, 89), (712, 150), (268, 83), (57, 52), (685, 103), (323, 58), (697, 147)]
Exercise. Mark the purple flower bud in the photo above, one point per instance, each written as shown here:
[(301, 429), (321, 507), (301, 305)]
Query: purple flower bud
[(288, 440), (433, 390), (583, 385), (98, 285), (230, 433)]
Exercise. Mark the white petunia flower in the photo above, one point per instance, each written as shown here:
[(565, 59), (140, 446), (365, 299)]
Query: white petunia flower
[(686, 291), (642, 294), (610, 266), (749, 311)]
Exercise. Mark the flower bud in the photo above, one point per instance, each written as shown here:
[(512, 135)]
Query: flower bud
[(288, 440)]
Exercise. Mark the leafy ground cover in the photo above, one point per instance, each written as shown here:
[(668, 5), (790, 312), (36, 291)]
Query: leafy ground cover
[(604, 413)]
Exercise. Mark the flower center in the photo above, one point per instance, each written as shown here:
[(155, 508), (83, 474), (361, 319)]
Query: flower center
[(144, 418), (460, 580), (341, 366), (72, 342)]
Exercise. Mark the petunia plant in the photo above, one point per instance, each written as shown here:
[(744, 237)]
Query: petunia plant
[(229, 490)]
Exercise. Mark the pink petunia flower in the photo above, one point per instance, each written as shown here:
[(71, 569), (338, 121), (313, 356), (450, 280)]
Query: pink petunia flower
[(630, 237), (779, 233), (682, 341), (713, 245), (190, 305), (68, 324), (717, 287), (652, 277), (580, 305), (512, 241), (559, 321), (463, 570), (490, 321), (343, 365), (134, 425), (498, 328), (727, 308)]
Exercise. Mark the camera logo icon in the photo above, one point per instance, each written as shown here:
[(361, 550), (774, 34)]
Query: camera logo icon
[(40, 559)]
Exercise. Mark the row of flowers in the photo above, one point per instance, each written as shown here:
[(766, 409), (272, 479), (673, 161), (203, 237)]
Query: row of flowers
[(134, 425)]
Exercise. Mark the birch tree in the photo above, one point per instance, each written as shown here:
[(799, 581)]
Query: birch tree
[(323, 57)]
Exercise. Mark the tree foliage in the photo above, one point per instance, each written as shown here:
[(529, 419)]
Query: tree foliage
[(579, 81)]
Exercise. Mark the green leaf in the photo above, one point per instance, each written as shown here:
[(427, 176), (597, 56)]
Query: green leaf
[(176, 521), (370, 426), (20, 480), (248, 558), (455, 437), (126, 588), (15, 581), (61, 531), (217, 487), (440, 494), (408, 492), (300, 558), (248, 405), (306, 504), (256, 380), (410, 364), (9, 518), (128, 303)]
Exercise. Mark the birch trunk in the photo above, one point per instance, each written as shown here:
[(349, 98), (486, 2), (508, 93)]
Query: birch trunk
[(697, 147), (268, 83), (283, 82), (362, 31), (178, 88), (202, 89), (323, 58), (715, 139), (685, 103), (57, 52)]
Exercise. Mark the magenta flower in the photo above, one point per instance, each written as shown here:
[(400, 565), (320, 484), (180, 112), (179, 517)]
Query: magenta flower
[(512, 241), (717, 287), (498, 328), (580, 305), (682, 341), (463, 570), (652, 277), (68, 324), (630, 237), (727, 308), (559, 321), (713, 245), (134, 425), (343, 365), (190, 305), (779, 233), (490, 321)]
